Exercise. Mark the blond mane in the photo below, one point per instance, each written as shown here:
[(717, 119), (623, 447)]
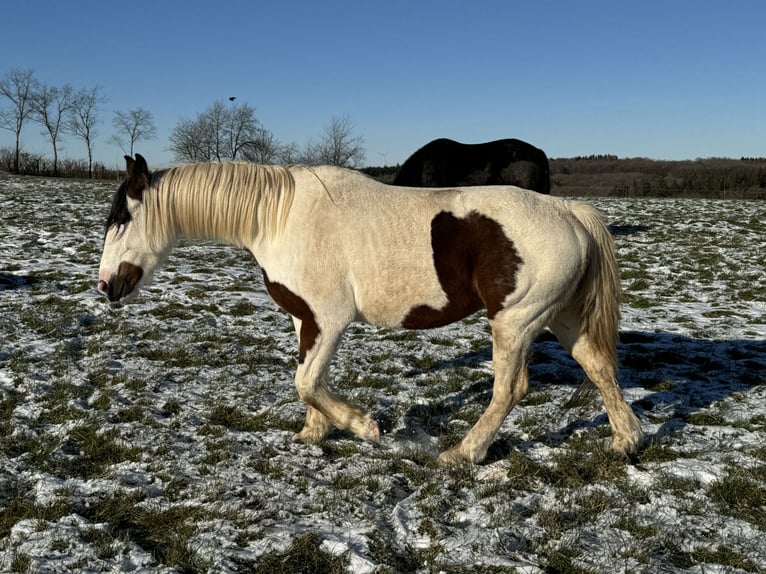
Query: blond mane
[(235, 202)]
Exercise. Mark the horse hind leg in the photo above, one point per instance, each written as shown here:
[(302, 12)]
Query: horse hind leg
[(599, 361)]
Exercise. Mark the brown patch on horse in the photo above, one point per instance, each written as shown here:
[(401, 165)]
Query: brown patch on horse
[(297, 307), (476, 264), (124, 281)]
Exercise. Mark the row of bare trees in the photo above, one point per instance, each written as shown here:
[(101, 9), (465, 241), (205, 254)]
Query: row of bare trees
[(58, 109), (224, 131), (231, 131)]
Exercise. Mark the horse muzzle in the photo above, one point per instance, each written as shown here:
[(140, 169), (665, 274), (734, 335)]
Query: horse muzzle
[(121, 284)]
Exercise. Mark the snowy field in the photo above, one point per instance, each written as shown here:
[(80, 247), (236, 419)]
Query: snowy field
[(157, 437)]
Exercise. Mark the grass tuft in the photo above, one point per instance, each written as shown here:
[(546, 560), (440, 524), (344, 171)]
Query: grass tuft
[(304, 555)]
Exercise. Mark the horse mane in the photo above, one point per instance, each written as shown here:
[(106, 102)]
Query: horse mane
[(231, 201)]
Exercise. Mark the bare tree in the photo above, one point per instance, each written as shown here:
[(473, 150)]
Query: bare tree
[(187, 142), (339, 146), (265, 149), (223, 132), (18, 87), (51, 106), (83, 119), (131, 126), (247, 138)]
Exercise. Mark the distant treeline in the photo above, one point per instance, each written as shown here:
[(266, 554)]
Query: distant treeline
[(596, 175), (41, 165), (607, 175)]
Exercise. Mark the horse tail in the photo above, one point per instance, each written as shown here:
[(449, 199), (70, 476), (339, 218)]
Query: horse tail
[(600, 292)]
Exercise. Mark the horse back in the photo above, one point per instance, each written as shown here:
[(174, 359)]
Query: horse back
[(422, 258)]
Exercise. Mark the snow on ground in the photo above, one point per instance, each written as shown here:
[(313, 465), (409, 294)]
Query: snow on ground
[(157, 436)]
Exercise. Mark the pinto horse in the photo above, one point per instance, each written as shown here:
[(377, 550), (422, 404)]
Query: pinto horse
[(335, 247)]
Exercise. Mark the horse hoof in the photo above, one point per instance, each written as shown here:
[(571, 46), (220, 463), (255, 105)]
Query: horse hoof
[(372, 433), (627, 446), (450, 457), (308, 437)]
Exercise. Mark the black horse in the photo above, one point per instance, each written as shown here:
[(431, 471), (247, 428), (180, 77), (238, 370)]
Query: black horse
[(447, 163)]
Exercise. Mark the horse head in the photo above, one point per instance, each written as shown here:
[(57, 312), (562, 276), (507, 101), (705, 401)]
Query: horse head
[(129, 257)]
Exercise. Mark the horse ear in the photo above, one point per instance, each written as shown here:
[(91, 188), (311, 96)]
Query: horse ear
[(138, 176), (129, 163)]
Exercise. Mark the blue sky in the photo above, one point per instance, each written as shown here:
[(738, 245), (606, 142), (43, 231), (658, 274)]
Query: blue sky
[(666, 80)]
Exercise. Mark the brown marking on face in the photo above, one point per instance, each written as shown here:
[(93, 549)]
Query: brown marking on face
[(297, 307), (476, 265), (124, 281)]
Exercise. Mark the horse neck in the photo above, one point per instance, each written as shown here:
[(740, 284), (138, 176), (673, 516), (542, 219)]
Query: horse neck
[(234, 203)]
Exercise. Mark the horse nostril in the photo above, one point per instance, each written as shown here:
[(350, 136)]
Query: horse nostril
[(102, 286)]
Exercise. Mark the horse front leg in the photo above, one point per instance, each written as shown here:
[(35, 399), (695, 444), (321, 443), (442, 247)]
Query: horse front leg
[(325, 409), (315, 428)]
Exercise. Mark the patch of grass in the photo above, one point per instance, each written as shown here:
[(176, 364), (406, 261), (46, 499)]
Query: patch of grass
[(725, 556), (243, 308), (705, 419), (399, 335), (561, 561), (35, 448), (181, 356), (175, 311), (758, 452), (54, 317), (339, 449), (9, 403), (218, 451), (676, 485), (658, 451), (421, 362), (233, 417), (21, 563), (131, 414), (638, 530), (102, 539), (586, 461), (20, 505), (102, 402), (752, 424), (171, 408), (165, 532), (663, 385), (576, 510), (103, 378), (535, 399), (739, 495), (87, 452), (134, 384), (414, 464), (524, 473), (303, 555), (393, 557)]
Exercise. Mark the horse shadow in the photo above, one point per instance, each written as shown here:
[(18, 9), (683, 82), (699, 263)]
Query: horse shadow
[(674, 377), (9, 281), (618, 230)]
